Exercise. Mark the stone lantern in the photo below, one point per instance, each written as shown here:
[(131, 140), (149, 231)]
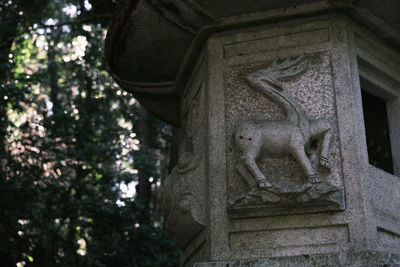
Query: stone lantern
[(290, 119)]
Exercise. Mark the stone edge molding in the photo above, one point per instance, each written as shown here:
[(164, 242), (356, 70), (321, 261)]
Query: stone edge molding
[(370, 258)]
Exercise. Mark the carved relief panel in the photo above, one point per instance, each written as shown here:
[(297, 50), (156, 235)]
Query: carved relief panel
[(283, 153)]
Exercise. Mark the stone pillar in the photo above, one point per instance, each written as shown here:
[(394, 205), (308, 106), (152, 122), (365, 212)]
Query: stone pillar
[(273, 165)]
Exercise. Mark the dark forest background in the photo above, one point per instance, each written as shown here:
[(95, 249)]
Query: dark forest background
[(80, 160)]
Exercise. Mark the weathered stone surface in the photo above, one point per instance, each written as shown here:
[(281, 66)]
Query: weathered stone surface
[(287, 172), (152, 45), (182, 198), (276, 199), (364, 259), (217, 207), (326, 207)]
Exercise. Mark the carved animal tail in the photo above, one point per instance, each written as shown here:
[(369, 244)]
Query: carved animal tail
[(266, 82)]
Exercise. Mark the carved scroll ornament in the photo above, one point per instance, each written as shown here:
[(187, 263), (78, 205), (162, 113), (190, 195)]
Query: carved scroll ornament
[(181, 201)]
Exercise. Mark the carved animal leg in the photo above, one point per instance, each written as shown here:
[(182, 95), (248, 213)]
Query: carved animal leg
[(300, 155), (248, 141), (323, 127), (244, 173), (250, 162), (297, 151)]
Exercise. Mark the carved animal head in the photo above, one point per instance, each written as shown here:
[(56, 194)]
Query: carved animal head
[(281, 70)]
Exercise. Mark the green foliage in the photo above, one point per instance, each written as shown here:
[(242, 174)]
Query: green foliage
[(67, 144)]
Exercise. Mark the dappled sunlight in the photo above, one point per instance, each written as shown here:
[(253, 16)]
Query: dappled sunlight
[(73, 149), (76, 50)]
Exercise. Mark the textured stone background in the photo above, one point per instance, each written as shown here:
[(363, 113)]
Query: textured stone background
[(313, 91)]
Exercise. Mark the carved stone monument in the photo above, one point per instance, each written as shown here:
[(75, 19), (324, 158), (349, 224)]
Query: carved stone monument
[(278, 160)]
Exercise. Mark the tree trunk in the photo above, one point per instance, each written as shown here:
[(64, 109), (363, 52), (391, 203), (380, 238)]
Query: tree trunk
[(52, 70), (8, 32), (143, 188)]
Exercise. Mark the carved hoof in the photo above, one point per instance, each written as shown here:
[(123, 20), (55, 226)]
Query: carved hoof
[(324, 162), (264, 184), (314, 179)]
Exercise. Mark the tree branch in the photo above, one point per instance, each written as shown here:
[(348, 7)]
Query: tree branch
[(77, 21)]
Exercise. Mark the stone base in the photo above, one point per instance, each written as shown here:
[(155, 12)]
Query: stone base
[(364, 259)]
